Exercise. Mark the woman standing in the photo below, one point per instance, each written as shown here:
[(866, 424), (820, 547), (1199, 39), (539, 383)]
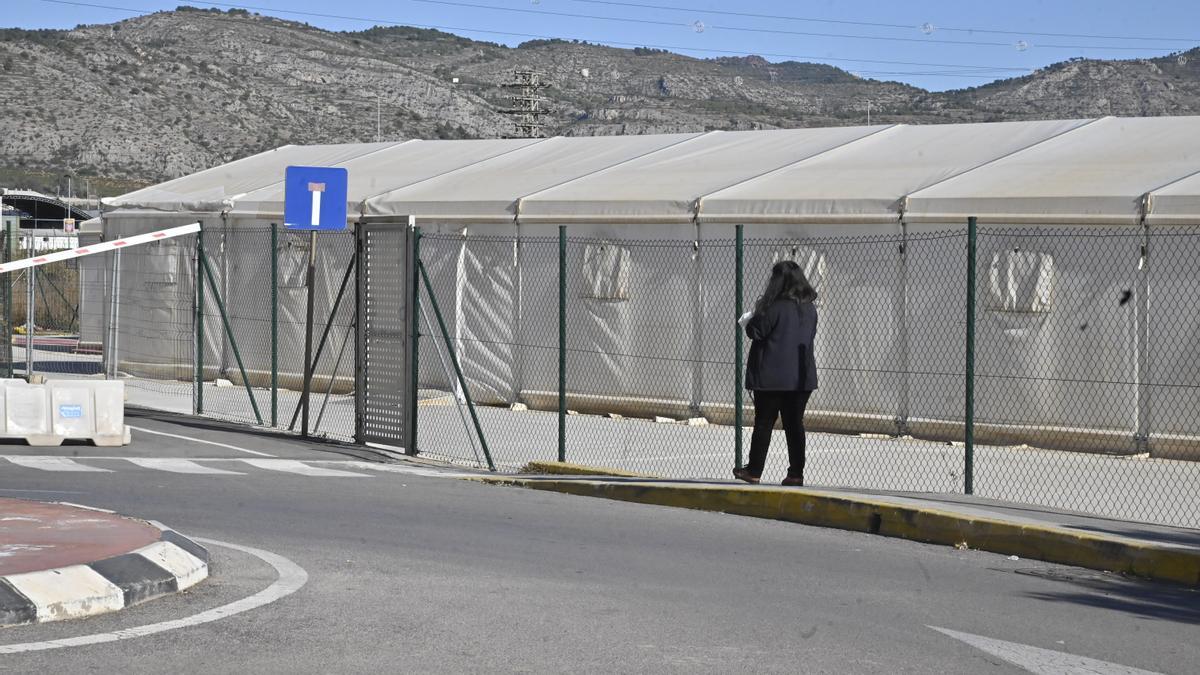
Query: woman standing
[(781, 372)]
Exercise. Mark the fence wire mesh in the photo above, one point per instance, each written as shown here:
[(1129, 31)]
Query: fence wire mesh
[(138, 322), (1086, 388)]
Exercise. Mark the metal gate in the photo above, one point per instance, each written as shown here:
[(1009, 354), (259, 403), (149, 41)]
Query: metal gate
[(384, 369)]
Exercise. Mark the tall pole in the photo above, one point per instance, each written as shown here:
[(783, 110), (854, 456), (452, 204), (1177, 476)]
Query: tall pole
[(739, 281), (562, 343), (30, 306), (415, 332), (308, 328), (199, 322), (969, 417), (274, 324)]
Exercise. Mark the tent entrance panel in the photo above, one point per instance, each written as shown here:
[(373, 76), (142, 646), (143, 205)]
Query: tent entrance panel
[(382, 392)]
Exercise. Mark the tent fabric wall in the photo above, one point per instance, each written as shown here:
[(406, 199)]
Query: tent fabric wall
[(876, 213), (155, 291)]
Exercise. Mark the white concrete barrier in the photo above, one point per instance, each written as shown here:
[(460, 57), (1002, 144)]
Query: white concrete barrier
[(48, 414)]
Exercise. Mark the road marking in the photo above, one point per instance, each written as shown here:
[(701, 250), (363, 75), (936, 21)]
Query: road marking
[(291, 578), (399, 468), (1042, 661), (293, 466), (53, 464), (180, 466), (199, 440)]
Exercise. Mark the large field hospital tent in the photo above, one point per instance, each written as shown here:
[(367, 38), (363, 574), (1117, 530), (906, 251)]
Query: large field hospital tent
[(876, 215)]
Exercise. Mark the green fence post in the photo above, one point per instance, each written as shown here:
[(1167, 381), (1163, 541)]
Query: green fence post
[(969, 417), (274, 324), (416, 339), (6, 296), (199, 321), (462, 380), (212, 282), (562, 343), (739, 281)]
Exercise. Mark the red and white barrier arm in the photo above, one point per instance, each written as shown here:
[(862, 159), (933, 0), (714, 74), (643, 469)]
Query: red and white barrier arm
[(102, 247)]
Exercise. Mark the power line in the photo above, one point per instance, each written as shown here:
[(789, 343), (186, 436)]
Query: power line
[(845, 36), (783, 17), (676, 48)]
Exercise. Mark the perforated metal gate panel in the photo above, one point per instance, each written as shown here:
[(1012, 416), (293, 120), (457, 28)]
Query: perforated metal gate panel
[(383, 377)]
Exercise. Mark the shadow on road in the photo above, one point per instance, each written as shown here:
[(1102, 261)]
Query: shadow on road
[(1106, 591)]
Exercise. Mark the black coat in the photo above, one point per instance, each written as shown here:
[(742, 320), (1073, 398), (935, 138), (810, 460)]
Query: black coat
[(781, 354)]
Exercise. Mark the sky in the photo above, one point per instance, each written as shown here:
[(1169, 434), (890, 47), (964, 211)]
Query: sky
[(934, 44)]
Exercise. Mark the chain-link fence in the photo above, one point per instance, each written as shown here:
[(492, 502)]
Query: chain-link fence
[(141, 312), (623, 352), (41, 309), (1083, 367)]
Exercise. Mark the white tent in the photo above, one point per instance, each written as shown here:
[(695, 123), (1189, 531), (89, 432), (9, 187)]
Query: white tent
[(876, 215)]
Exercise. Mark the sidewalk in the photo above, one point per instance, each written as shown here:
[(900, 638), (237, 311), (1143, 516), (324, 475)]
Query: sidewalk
[(1154, 552), (64, 561)]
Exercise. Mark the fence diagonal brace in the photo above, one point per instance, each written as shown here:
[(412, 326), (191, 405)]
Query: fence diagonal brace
[(212, 284), (462, 381)]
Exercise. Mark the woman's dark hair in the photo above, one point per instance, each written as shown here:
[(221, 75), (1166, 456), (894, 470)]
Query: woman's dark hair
[(787, 283)]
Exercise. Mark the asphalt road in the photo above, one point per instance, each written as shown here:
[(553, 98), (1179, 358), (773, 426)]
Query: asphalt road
[(413, 572)]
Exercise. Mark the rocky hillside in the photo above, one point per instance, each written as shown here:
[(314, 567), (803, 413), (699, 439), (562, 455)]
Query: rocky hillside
[(166, 94)]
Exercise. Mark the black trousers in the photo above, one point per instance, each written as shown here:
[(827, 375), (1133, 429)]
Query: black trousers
[(769, 406)]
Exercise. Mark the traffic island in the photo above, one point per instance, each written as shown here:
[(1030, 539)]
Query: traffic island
[(1173, 555), (63, 561)]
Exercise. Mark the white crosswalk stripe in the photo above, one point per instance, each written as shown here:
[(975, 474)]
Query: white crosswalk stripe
[(181, 466), (293, 466), (54, 464), (227, 466)]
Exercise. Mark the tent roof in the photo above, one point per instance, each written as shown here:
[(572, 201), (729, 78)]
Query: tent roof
[(389, 168), (664, 186), (1108, 170), (489, 190), (1177, 203), (214, 189), (867, 180), (1098, 173)]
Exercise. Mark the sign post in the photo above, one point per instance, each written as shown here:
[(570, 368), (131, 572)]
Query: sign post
[(314, 200)]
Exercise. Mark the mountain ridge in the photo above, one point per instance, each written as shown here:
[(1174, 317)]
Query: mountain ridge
[(165, 94)]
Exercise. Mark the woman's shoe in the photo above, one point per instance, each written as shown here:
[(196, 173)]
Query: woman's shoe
[(794, 481), (743, 474)]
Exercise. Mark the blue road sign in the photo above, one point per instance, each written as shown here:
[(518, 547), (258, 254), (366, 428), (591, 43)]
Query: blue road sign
[(314, 198)]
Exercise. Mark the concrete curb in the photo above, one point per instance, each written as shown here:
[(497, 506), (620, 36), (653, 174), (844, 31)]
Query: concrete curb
[(1046, 542), (568, 469), (172, 564)]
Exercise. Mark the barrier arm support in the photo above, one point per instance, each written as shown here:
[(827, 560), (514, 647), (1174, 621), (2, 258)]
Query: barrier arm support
[(462, 381), (212, 284)]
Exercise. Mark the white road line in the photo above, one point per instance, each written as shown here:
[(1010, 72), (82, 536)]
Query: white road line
[(199, 440), (179, 466), (1041, 661), (53, 464), (405, 469), (293, 466), (292, 578)]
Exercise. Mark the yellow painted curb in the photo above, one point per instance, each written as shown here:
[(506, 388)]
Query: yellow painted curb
[(567, 469), (928, 525)]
